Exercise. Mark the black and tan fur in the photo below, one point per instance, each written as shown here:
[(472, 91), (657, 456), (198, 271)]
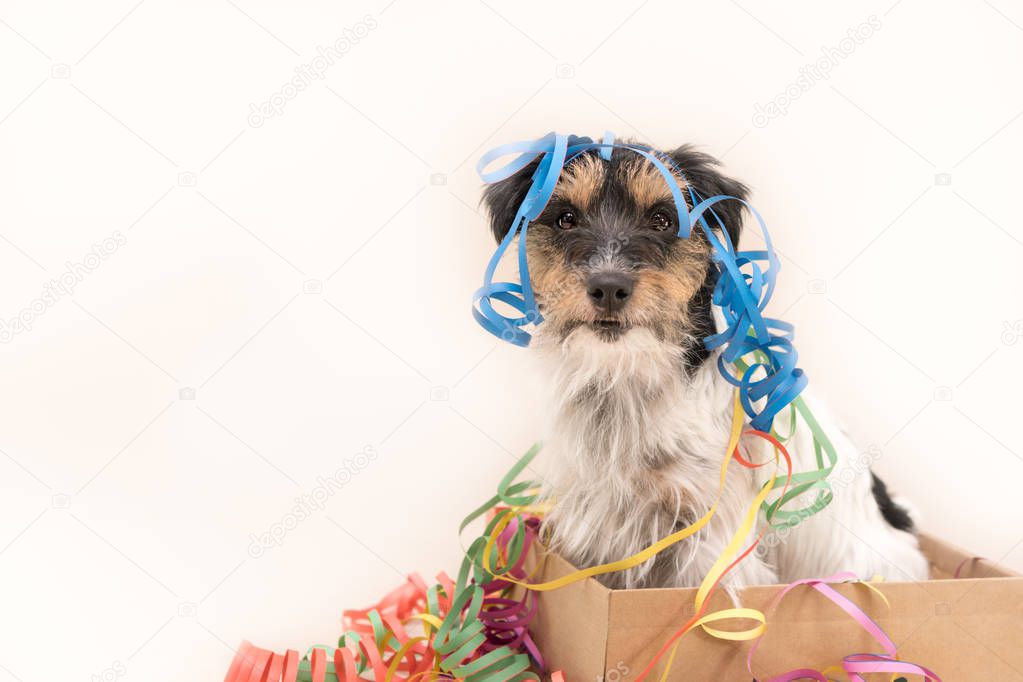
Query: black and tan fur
[(640, 417)]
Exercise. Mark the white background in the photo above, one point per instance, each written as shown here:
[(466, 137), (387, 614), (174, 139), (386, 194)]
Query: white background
[(126, 511)]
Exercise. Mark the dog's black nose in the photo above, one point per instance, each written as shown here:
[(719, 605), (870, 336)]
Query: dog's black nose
[(609, 291)]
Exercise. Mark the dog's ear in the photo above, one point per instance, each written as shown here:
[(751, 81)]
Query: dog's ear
[(502, 199), (701, 171)]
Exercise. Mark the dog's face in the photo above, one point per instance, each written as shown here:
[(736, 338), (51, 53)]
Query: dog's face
[(604, 256)]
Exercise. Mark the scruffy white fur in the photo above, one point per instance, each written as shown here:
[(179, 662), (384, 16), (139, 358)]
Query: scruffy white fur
[(634, 453)]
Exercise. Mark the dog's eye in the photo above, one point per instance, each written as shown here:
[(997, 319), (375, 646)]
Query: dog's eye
[(566, 221), (660, 221)]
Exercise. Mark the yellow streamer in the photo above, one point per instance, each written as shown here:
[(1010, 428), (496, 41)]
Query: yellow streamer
[(643, 555), (719, 567)]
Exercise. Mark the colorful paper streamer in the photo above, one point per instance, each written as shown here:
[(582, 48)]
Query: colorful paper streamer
[(472, 628)]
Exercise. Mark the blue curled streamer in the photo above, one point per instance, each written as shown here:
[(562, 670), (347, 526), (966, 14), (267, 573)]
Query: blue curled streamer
[(742, 291)]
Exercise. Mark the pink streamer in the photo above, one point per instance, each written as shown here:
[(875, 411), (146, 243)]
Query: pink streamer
[(853, 664)]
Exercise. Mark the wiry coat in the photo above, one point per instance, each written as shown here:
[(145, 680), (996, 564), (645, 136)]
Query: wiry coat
[(640, 417), (634, 452)]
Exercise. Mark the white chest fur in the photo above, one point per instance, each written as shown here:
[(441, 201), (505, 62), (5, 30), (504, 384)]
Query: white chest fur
[(634, 453)]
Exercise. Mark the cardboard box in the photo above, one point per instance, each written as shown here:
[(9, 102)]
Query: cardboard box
[(966, 629)]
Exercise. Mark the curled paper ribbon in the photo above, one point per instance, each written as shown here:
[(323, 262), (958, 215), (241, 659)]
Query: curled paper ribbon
[(470, 631), (725, 563), (488, 555), (476, 628), (473, 628), (744, 287), (483, 555), (854, 664)]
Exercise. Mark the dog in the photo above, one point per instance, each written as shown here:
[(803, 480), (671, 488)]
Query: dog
[(640, 415)]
